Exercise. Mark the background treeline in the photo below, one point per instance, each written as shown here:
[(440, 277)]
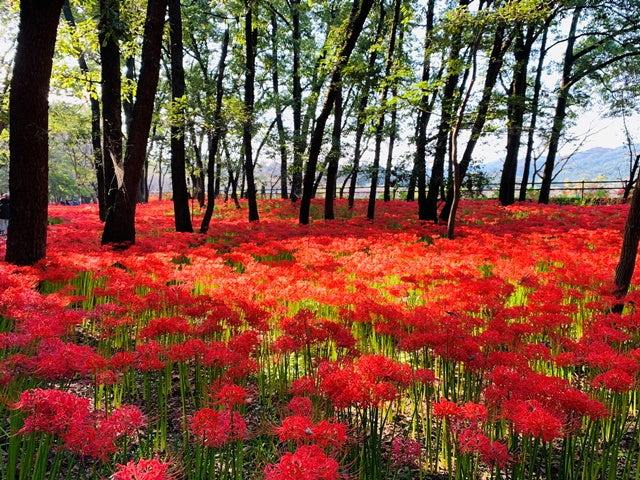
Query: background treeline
[(294, 96)]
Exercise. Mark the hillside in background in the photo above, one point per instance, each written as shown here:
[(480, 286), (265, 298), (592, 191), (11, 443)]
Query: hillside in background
[(593, 164)]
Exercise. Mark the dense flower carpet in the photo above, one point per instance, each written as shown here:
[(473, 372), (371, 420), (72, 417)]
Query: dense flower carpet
[(344, 349)]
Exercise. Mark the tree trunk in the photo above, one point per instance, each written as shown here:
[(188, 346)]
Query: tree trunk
[(362, 107), (284, 169), (498, 51), (373, 192), (428, 209), (561, 110), (298, 140), (393, 132), (357, 18), (120, 223), (28, 134), (182, 215), (333, 157), (251, 39), (214, 138), (515, 114), (111, 97), (96, 131), (629, 250)]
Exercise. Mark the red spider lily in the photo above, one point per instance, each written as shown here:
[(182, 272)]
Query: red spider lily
[(445, 408), (301, 406), (308, 462), (532, 418), (83, 431), (615, 380), (57, 360), (230, 395), (302, 430), (215, 429), (144, 469), (165, 325), (405, 451)]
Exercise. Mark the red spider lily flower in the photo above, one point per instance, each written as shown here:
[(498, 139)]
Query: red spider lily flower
[(57, 360), (405, 451), (149, 356), (471, 440), (615, 380), (144, 469), (303, 385), (230, 395), (308, 462), (424, 375), (165, 326), (302, 430), (532, 418), (187, 350), (445, 408), (474, 413), (300, 406), (50, 411), (215, 429)]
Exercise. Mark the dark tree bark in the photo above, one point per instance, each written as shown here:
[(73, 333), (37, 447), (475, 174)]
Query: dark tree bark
[(96, 129), (424, 115), (393, 132), (537, 88), (29, 124), (428, 209), (333, 157), (108, 35), (120, 223), (182, 216), (282, 138), (359, 12), (629, 250), (375, 170), (362, 108), (498, 51), (214, 138), (561, 110), (298, 139), (251, 39), (515, 113)]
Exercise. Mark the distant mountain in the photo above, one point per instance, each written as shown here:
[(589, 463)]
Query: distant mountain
[(593, 164)]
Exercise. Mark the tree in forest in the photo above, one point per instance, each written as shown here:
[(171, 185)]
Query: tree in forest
[(120, 221), (178, 175), (611, 37), (29, 141), (357, 17)]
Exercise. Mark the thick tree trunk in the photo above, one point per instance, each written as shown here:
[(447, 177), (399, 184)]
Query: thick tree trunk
[(250, 36), (515, 114), (181, 213), (96, 129), (333, 157), (214, 138), (629, 250), (359, 12), (29, 124), (120, 223), (111, 98), (561, 110)]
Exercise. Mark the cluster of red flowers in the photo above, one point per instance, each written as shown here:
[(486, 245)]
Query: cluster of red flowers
[(82, 430), (334, 317)]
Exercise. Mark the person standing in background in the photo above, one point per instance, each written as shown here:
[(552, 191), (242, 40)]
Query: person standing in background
[(4, 215)]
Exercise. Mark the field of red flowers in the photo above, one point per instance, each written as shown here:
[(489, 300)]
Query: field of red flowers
[(346, 349)]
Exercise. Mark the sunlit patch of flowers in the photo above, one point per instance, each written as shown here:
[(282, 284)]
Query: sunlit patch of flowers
[(343, 349)]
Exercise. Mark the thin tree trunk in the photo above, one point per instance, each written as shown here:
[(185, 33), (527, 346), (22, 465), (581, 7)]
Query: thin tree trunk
[(284, 169), (362, 107), (214, 138), (373, 192), (120, 223), (181, 213), (298, 140), (96, 130), (250, 36), (537, 88), (29, 126), (333, 157), (561, 110), (357, 18)]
